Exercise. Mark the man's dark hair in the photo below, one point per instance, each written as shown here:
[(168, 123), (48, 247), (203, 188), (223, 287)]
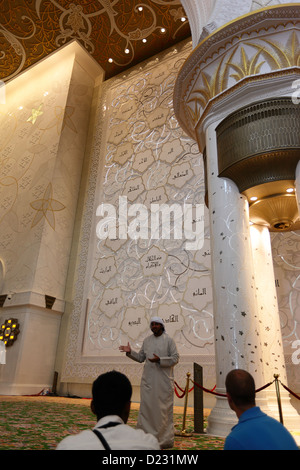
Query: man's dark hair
[(240, 386), (111, 392)]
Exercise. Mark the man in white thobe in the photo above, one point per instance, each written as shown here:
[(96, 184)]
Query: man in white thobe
[(157, 385)]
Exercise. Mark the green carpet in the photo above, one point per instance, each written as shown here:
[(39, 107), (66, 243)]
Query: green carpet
[(38, 425)]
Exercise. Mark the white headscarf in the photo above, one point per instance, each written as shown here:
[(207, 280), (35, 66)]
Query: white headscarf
[(157, 320)]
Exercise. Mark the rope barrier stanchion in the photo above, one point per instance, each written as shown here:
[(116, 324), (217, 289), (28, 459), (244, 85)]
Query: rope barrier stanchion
[(278, 397), (186, 391), (183, 430)]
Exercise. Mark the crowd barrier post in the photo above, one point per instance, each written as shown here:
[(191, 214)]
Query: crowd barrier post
[(278, 397), (198, 374), (183, 430)]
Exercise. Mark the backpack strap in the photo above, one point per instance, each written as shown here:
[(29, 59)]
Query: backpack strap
[(100, 436), (103, 441)]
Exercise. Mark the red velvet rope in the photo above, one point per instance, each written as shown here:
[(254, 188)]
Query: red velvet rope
[(290, 391), (181, 396), (224, 395), (181, 389), (210, 391), (264, 386), (205, 389)]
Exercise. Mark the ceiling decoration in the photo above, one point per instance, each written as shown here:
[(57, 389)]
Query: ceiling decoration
[(117, 33)]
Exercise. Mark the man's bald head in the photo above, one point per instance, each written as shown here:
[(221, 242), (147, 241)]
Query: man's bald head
[(240, 386)]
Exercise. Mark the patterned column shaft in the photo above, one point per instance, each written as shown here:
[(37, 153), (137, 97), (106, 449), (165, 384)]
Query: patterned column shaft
[(237, 337)]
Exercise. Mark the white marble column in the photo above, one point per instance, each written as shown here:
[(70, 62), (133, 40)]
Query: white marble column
[(268, 314), (245, 304), (237, 330), (267, 306)]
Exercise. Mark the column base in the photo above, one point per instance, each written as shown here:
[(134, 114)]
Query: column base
[(290, 415), (221, 419)]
